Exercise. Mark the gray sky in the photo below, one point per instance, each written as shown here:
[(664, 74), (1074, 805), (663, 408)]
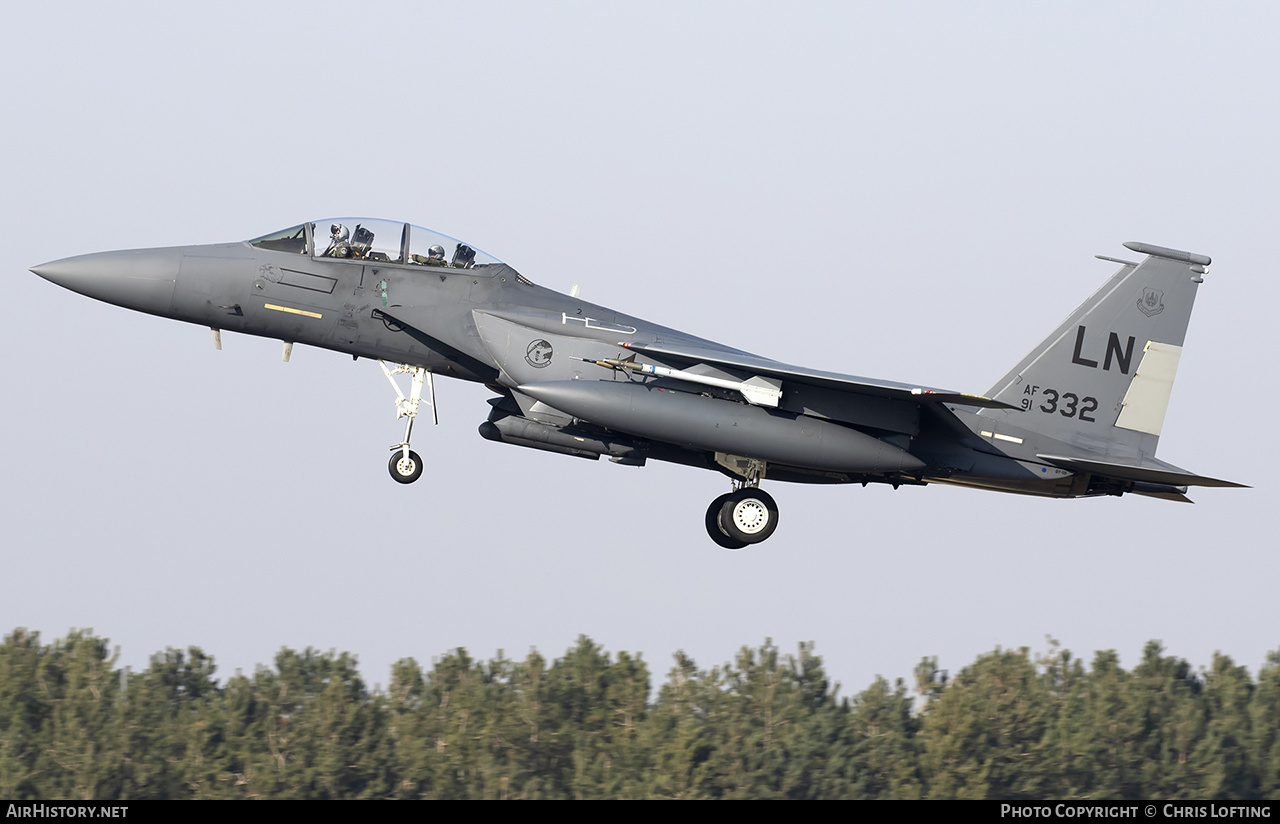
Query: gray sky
[(911, 192)]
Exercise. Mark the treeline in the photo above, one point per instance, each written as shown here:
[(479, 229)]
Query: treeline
[(767, 725)]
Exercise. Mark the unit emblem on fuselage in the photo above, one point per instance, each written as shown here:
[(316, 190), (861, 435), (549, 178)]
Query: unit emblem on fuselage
[(538, 355)]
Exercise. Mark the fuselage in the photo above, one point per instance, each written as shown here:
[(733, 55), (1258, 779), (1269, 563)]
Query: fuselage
[(1080, 415), (484, 322)]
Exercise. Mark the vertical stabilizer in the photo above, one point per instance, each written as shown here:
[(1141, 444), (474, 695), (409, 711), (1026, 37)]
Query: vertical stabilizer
[(1102, 380)]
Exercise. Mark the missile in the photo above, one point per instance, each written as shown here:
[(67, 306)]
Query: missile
[(759, 391), (716, 425)]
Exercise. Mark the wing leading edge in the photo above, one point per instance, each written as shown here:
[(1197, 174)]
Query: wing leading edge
[(1148, 472)]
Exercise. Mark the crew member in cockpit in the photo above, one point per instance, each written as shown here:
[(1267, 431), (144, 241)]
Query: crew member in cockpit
[(338, 242), (435, 256)]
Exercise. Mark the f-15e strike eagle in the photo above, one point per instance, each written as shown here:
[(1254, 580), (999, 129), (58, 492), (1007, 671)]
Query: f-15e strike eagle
[(1078, 416)]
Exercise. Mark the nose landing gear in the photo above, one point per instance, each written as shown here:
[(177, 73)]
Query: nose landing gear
[(406, 465), (405, 468)]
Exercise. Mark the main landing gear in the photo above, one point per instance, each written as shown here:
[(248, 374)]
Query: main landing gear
[(405, 465), (747, 515)]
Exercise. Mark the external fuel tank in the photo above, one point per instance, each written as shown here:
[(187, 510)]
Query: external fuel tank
[(716, 425)]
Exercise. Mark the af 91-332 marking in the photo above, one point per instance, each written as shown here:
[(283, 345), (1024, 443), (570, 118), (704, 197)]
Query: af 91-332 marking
[(1071, 406)]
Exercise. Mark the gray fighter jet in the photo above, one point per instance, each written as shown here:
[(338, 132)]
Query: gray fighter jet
[(1079, 416)]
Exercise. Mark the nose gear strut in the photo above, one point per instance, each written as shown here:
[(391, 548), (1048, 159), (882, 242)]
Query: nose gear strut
[(406, 465)]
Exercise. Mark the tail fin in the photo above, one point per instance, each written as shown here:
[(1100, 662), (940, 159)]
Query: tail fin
[(1102, 380)]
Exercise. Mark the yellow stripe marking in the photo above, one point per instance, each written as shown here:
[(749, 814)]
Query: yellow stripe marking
[(292, 311)]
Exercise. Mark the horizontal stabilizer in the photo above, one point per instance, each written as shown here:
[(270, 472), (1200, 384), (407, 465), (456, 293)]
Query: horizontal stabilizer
[(1156, 472), (814, 377), (961, 398), (1164, 494)]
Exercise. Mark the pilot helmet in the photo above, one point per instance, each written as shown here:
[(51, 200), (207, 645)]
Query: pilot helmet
[(437, 251), (338, 231)]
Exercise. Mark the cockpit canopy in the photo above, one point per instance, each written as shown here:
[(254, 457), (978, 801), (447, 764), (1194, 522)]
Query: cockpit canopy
[(370, 239)]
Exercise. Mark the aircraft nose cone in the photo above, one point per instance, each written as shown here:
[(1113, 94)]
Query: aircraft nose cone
[(141, 279)]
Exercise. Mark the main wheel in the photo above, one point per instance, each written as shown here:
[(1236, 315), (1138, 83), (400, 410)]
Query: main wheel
[(749, 515), (713, 524), (405, 470)]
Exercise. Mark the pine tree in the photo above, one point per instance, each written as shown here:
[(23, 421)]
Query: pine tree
[(986, 731), (1220, 758), (24, 709), (878, 755), (79, 746), (1068, 768), (1264, 743), (168, 735)]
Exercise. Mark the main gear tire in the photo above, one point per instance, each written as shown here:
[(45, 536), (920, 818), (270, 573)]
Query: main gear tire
[(749, 515), (714, 529)]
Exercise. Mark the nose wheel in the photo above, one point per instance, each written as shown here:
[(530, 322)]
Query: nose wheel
[(405, 465), (738, 519), (405, 468)]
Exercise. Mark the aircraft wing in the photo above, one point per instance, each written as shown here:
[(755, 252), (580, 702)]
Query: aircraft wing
[(1147, 472), (693, 354)]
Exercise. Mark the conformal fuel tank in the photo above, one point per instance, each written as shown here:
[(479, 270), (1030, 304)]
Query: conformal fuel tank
[(718, 425)]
